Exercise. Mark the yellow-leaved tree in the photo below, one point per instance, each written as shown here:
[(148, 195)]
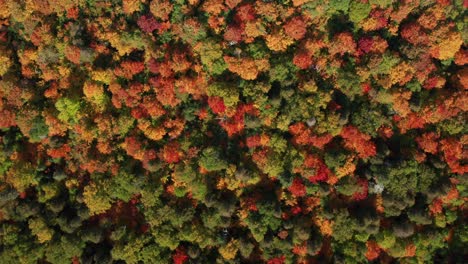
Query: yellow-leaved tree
[(39, 228), (278, 41), (229, 250), (96, 198)]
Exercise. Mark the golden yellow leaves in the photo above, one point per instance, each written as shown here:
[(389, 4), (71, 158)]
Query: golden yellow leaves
[(104, 76), (273, 11), (431, 17), (213, 7), (401, 74), (117, 43), (4, 10), (124, 43), (161, 9), (94, 93), (300, 2), (41, 36), (232, 3), (46, 7), (151, 132), (253, 29), (229, 250), (278, 41), (309, 86), (174, 127), (401, 103), (39, 227), (49, 74), (96, 203), (447, 48), (325, 226), (91, 90), (104, 147), (445, 41), (246, 68), (230, 181), (130, 6), (28, 56), (313, 46), (57, 6), (267, 9), (42, 6), (4, 64), (347, 169), (21, 176), (379, 204)]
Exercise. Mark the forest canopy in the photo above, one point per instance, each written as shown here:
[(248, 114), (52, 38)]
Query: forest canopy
[(233, 131)]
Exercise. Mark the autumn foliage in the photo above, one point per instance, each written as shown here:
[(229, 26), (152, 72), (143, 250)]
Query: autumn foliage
[(359, 142), (233, 131)]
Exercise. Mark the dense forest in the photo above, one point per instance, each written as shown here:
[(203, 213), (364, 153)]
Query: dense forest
[(233, 131)]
